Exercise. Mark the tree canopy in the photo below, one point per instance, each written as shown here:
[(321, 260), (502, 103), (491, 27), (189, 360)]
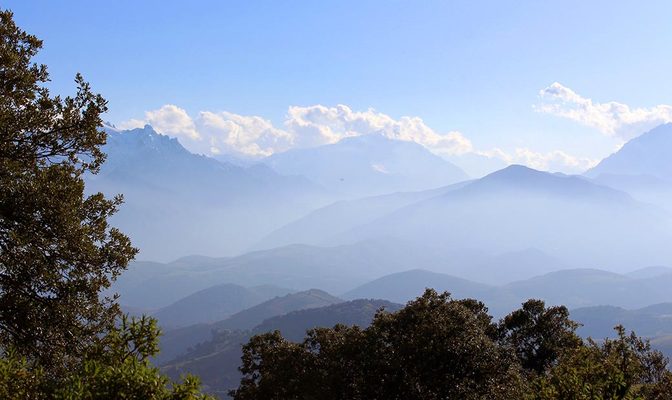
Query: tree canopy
[(57, 251), (440, 348), (59, 338)]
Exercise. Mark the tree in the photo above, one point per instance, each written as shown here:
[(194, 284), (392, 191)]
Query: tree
[(625, 368), (118, 368), (538, 334), (434, 348), (57, 251)]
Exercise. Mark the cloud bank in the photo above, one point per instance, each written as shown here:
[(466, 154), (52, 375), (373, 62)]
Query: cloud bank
[(217, 132), (213, 133), (611, 118)]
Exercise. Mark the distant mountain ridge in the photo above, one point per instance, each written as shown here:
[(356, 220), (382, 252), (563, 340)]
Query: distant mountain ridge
[(216, 361), (642, 167), (214, 304), (368, 165), (573, 288), (647, 154), (567, 217), (179, 203), (176, 341)]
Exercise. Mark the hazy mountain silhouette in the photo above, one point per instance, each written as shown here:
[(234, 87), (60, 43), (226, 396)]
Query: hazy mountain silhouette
[(179, 203), (645, 155), (177, 341), (518, 208), (322, 225), (574, 288), (650, 272), (368, 165), (404, 286), (216, 361), (642, 167), (214, 304), (599, 321), (335, 269), (253, 316)]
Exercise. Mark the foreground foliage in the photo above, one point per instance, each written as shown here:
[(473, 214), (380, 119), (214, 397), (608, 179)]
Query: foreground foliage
[(59, 338), (440, 348), (118, 369), (57, 251)]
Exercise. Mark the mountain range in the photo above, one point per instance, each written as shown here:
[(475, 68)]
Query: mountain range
[(216, 361), (642, 167), (573, 288), (368, 165), (566, 217), (175, 342), (178, 203)]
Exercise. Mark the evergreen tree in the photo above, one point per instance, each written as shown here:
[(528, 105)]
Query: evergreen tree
[(57, 251)]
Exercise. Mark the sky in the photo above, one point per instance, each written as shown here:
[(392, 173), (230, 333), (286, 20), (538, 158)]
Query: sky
[(550, 84)]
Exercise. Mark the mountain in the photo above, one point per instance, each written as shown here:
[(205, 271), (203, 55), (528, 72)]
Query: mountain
[(216, 361), (214, 304), (177, 341), (178, 203), (645, 155), (650, 272), (574, 288), (336, 269), (294, 325), (566, 217), (642, 167), (404, 286), (253, 316), (320, 227), (368, 165), (591, 287), (599, 322)]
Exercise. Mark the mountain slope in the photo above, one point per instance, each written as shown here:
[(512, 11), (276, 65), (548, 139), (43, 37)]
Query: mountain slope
[(214, 304), (404, 286), (517, 208), (216, 361), (335, 269), (253, 316), (178, 203), (177, 341), (573, 288), (645, 155), (599, 321), (368, 165), (322, 225), (642, 167)]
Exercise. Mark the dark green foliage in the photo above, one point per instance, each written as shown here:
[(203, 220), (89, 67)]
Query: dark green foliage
[(440, 348), (58, 338), (118, 369), (121, 369), (57, 251), (434, 348), (538, 334), (618, 369)]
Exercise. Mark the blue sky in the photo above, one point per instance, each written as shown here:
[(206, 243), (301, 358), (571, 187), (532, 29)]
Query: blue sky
[(472, 67)]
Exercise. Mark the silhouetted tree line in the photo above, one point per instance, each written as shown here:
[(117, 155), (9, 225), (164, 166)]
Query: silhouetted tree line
[(440, 348)]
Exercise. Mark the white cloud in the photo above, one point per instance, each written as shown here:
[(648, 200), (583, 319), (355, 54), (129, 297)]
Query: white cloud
[(303, 127), (249, 135), (214, 133), (131, 124), (173, 121), (318, 124), (610, 118), (554, 161)]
